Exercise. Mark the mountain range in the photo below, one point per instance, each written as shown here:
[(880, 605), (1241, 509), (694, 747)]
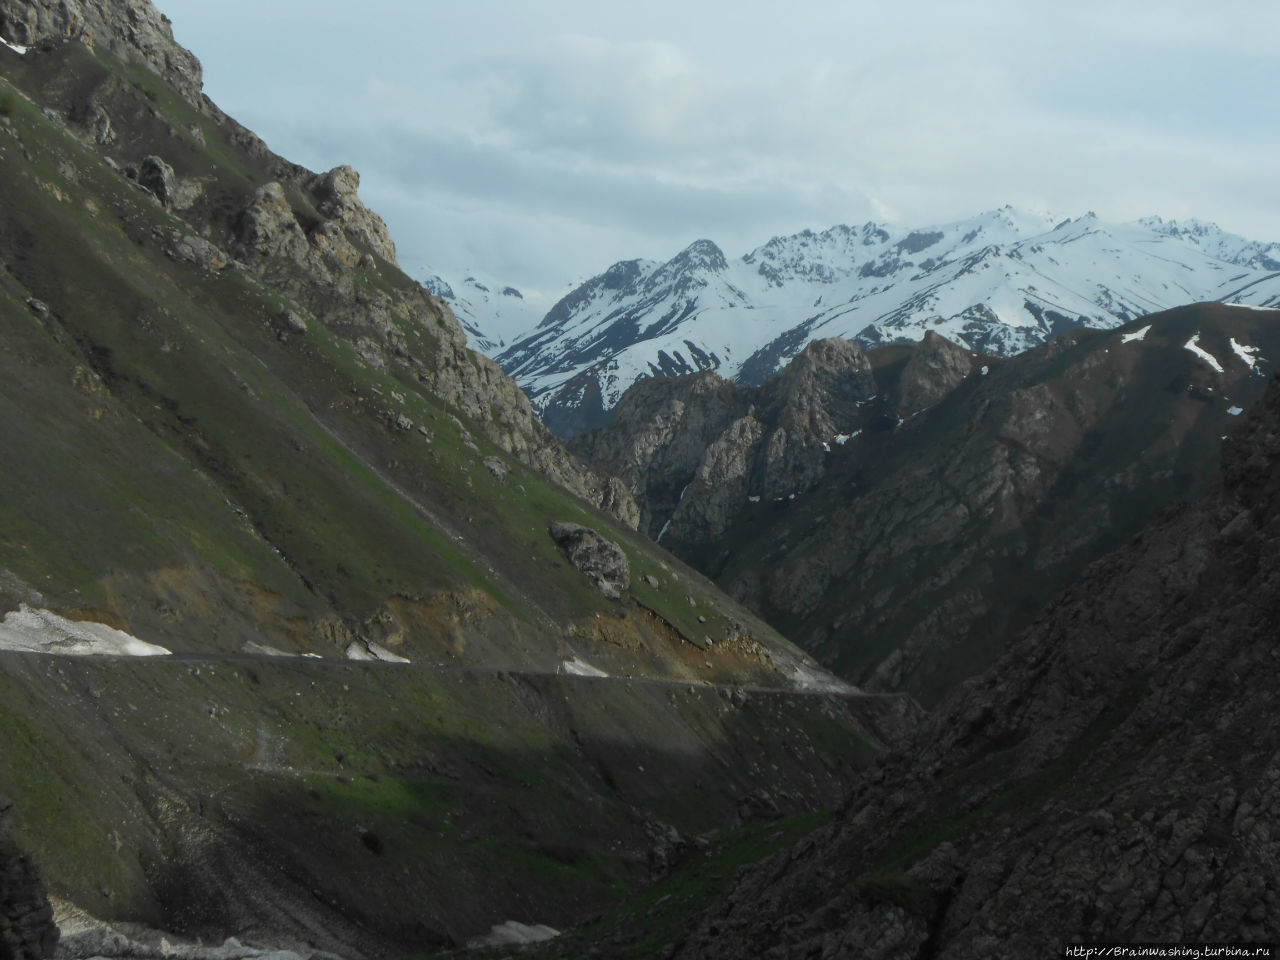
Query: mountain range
[(310, 633), (998, 283), (315, 642)]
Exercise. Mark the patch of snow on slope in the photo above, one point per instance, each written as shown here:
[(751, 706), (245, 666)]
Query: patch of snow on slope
[(16, 48), (360, 650), (42, 631), (1235, 411), (1246, 353), (806, 677), (1205, 355), (1251, 306), (578, 667), (1136, 336), (512, 933)]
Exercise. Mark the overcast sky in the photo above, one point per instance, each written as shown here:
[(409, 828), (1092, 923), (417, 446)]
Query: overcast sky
[(539, 141)]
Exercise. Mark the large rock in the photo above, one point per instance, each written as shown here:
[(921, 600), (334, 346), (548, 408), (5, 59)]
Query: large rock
[(336, 195), (600, 559), (270, 231), (27, 931)]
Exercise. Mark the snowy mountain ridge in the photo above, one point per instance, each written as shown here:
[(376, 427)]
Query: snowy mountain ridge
[(491, 312), (1000, 282)]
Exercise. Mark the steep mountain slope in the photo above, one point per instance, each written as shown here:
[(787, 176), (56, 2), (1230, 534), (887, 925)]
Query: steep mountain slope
[(999, 283), (403, 619), (1113, 777), (933, 516)]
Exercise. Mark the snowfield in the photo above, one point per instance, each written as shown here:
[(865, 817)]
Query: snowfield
[(30, 630)]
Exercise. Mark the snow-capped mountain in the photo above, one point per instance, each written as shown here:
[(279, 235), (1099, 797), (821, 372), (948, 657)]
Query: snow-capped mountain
[(492, 313), (1000, 282)]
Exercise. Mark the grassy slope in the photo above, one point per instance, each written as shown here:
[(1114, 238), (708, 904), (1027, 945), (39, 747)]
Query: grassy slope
[(173, 467), (192, 439)]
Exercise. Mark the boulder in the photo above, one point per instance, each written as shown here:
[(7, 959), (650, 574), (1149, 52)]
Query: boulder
[(600, 559), (201, 252), (336, 197), (156, 176)]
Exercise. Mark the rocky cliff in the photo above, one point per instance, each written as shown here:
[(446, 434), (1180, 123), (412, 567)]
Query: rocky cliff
[(695, 450), (307, 235), (903, 518), (1113, 777)]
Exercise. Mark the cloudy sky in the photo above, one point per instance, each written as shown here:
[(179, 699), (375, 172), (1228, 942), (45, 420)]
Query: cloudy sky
[(539, 141)]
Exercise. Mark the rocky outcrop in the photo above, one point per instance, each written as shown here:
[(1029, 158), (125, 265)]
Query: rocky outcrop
[(130, 29), (1112, 777), (936, 367), (600, 559), (695, 450), (27, 931), (336, 197), (269, 231)]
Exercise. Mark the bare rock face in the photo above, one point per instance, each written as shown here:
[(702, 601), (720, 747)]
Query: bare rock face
[(27, 931), (131, 29), (600, 559), (695, 450), (336, 195), (937, 366), (270, 231)]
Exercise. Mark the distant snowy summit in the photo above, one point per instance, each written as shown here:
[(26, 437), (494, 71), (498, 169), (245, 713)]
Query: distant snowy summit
[(1000, 282), (492, 313)]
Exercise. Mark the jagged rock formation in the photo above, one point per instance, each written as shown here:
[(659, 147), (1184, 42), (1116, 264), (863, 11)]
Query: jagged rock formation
[(598, 557), (937, 366), (130, 29), (962, 497), (694, 450), (27, 931), (1113, 777), (306, 234)]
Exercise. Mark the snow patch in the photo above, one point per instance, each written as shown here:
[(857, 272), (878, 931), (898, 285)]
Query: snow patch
[(16, 48), (577, 667), (363, 650), (985, 371), (512, 933), (753, 499), (1246, 353), (1135, 337), (663, 531), (30, 630), (807, 677), (1205, 355), (1235, 411), (1250, 306)]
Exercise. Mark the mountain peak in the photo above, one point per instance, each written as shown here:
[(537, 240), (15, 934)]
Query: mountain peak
[(700, 255)]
